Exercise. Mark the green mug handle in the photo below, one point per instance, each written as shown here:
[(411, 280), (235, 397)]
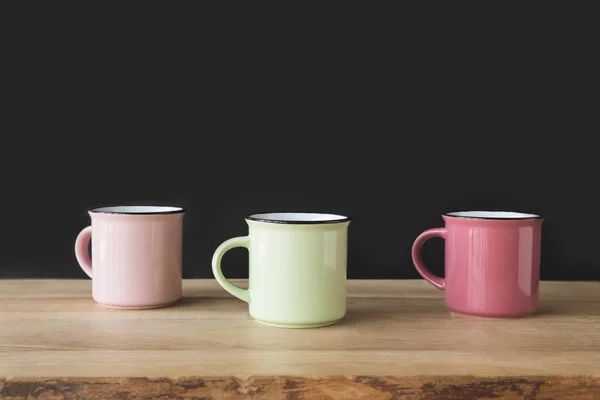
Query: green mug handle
[(241, 241)]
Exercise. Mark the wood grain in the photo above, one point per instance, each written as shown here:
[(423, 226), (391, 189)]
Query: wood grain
[(304, 388), (397, 341)]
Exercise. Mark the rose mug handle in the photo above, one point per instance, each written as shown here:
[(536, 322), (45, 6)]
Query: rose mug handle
[(82, 245), (436, 281)]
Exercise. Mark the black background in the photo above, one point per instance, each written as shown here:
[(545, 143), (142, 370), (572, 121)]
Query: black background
[(390, 116)]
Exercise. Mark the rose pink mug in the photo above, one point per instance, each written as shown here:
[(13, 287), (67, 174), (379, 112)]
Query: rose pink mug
[(492, 262), (136, 255)]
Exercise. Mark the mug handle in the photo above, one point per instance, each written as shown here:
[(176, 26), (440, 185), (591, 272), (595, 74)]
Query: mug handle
[(436, 281), (82, 245), (241, 241)]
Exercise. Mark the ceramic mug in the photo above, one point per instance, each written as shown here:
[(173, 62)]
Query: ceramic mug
[(136, 255), (297, 268), (492, 262)]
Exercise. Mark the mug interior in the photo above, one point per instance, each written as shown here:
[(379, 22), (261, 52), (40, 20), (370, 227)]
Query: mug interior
[(139, 210), (298, 218), (492, 215)]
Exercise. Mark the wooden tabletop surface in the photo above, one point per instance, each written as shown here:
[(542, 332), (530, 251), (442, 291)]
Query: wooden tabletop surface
[(397, 339)]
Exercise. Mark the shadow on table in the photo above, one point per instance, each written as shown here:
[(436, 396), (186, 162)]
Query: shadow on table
[(206, 303)]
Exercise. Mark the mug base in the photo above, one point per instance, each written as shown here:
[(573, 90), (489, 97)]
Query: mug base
[(461, 314), (140, 307), (296, 326)]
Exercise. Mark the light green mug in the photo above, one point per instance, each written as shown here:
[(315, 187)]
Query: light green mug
[(297, 271)]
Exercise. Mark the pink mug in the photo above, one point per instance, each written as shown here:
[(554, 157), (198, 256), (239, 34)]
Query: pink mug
[(492, 262), (136, 255)]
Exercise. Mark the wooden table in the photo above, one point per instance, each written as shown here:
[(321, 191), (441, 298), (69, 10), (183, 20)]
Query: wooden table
[(397, 341)]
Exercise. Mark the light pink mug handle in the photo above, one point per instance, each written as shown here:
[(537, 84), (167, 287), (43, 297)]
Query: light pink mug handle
[(436, 281), (82, 245)]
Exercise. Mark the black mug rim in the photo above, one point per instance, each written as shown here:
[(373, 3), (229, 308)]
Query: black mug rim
[(518, 215), (336, 218), (113, 209)]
